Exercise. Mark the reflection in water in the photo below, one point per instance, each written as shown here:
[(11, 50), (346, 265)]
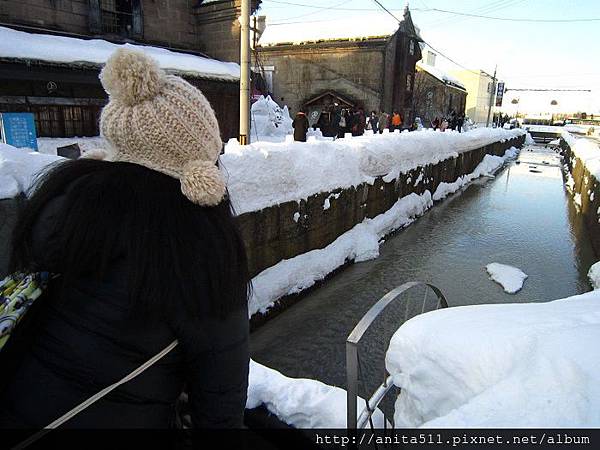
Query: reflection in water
[(519, 218)]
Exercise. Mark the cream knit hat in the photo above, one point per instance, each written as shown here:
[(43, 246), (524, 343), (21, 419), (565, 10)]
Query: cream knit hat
[(162, 122)]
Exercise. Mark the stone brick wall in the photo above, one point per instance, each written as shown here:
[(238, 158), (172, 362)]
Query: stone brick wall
[(443, 100), (353, 70), (61, 15)]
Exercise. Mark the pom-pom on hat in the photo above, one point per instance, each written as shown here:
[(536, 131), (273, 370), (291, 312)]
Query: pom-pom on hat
[(162, 122)]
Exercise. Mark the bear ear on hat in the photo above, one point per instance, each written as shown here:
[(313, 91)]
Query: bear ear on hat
[(132, 77)]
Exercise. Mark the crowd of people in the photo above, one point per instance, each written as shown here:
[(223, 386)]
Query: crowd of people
[(336, 122)]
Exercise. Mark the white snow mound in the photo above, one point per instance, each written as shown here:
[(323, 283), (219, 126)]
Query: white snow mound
[(504, 365), (510, 278), (594, 275)]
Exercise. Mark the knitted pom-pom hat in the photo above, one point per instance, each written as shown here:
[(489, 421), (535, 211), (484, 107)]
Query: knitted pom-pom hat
[(162, 122)]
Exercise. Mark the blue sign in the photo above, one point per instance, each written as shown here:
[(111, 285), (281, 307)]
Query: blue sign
[(18, 130)]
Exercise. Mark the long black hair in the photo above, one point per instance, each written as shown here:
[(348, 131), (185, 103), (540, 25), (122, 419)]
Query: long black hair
[(115, 210)]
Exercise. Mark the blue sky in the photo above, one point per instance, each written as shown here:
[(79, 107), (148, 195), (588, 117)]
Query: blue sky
[(528, 55)]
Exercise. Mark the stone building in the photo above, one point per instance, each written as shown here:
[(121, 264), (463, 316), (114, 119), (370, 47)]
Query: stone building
[(436, 94), (480, 86), (64, 93), (367, 63)]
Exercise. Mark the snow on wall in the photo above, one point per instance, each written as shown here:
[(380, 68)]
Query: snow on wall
[(326, 30), (44, 47), (510, 365), (440, 74), (264, 174), (587, 150)]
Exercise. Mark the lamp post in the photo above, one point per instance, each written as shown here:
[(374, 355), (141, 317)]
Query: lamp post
[(515, 101), (244, 137), (553, 103)]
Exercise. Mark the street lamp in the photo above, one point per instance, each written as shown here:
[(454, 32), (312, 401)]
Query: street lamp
[(553, 103), (515, 101)]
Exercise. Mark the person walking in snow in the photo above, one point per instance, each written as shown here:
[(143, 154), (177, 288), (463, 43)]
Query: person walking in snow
[(374, 121), (436, 123), (148, 258), (383, 121), (460, 122), (396, 121), (444, 124), (300, 125)]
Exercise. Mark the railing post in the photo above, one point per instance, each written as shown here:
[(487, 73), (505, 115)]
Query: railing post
[(352, 384)]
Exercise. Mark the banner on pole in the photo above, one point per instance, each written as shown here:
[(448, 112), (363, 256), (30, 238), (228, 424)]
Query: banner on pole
[(499, 93)]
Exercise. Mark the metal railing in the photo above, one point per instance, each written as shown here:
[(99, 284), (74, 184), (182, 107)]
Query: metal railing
[(352, 363)]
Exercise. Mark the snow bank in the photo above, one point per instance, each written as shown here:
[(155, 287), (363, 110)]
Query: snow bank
[(45, 47), (263, 174), (361, 243), (516, 365), (594, 275), (18, 168), (510, 278), (49, 145), (487, 167), (300, 402), (339, 28), (269, 121), (586, 150), (529, 140)]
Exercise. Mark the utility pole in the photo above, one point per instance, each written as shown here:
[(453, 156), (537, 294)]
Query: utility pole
[(244, 137), (493, 91)]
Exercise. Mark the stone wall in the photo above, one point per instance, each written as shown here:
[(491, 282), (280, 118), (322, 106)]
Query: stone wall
[(588, 187), (353, 70), (272, 234), (433, 98)]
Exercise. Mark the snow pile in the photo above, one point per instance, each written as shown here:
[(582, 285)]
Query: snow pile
[(269, 121), (18, 168), (587, 151), (529, 140), (438, 73), (59, 49), (487, 167), (326, 30), (361, 243), (510, 278), (300, 402), (594, 275), (517, 365), (263, 174)]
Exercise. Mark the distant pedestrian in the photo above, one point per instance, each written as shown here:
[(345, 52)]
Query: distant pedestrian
[(460, 122), (396, 121), (436, 123), (301, 126), (444, 124), (374, 121), (383, 121)]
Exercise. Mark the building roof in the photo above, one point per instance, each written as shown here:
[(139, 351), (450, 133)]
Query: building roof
[(339, 29), (20, 45), (444, 77)]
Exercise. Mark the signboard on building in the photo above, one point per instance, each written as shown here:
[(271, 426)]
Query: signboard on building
[(499, 93), (18, 130)]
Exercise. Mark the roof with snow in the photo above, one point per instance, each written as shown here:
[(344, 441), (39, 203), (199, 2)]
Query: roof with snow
[(73, 51), (441, 75), (339, 29)]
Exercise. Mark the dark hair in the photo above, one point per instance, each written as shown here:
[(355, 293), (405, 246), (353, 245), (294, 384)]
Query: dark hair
[(114, 210)]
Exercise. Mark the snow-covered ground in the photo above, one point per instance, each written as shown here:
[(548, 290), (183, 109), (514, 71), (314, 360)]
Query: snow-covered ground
[(60, 49), (510, 278), (300, 402), (48, 146), (501, 365)]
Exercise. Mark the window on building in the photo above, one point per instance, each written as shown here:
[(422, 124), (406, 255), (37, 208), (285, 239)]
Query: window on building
[(119, 17), (411, 47)]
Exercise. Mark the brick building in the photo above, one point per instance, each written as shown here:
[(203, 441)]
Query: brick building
[(436, 94), (64, 92), (367, 63)]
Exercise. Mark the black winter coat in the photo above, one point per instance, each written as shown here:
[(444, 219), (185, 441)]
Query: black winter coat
[(300, 124), (87, 341)]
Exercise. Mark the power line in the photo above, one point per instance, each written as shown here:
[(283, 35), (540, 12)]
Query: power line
[(387, 11), (509, 19), (320, 7), (323, 8)]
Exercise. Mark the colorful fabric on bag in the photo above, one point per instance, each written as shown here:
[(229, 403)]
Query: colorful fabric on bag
[(17, 293)]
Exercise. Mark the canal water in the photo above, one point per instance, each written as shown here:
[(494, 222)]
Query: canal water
[(523, 217)]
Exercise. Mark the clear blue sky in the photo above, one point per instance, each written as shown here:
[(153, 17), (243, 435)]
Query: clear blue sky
[(528, 55)]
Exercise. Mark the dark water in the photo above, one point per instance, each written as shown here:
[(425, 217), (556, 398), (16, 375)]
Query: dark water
[(521, 218)]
